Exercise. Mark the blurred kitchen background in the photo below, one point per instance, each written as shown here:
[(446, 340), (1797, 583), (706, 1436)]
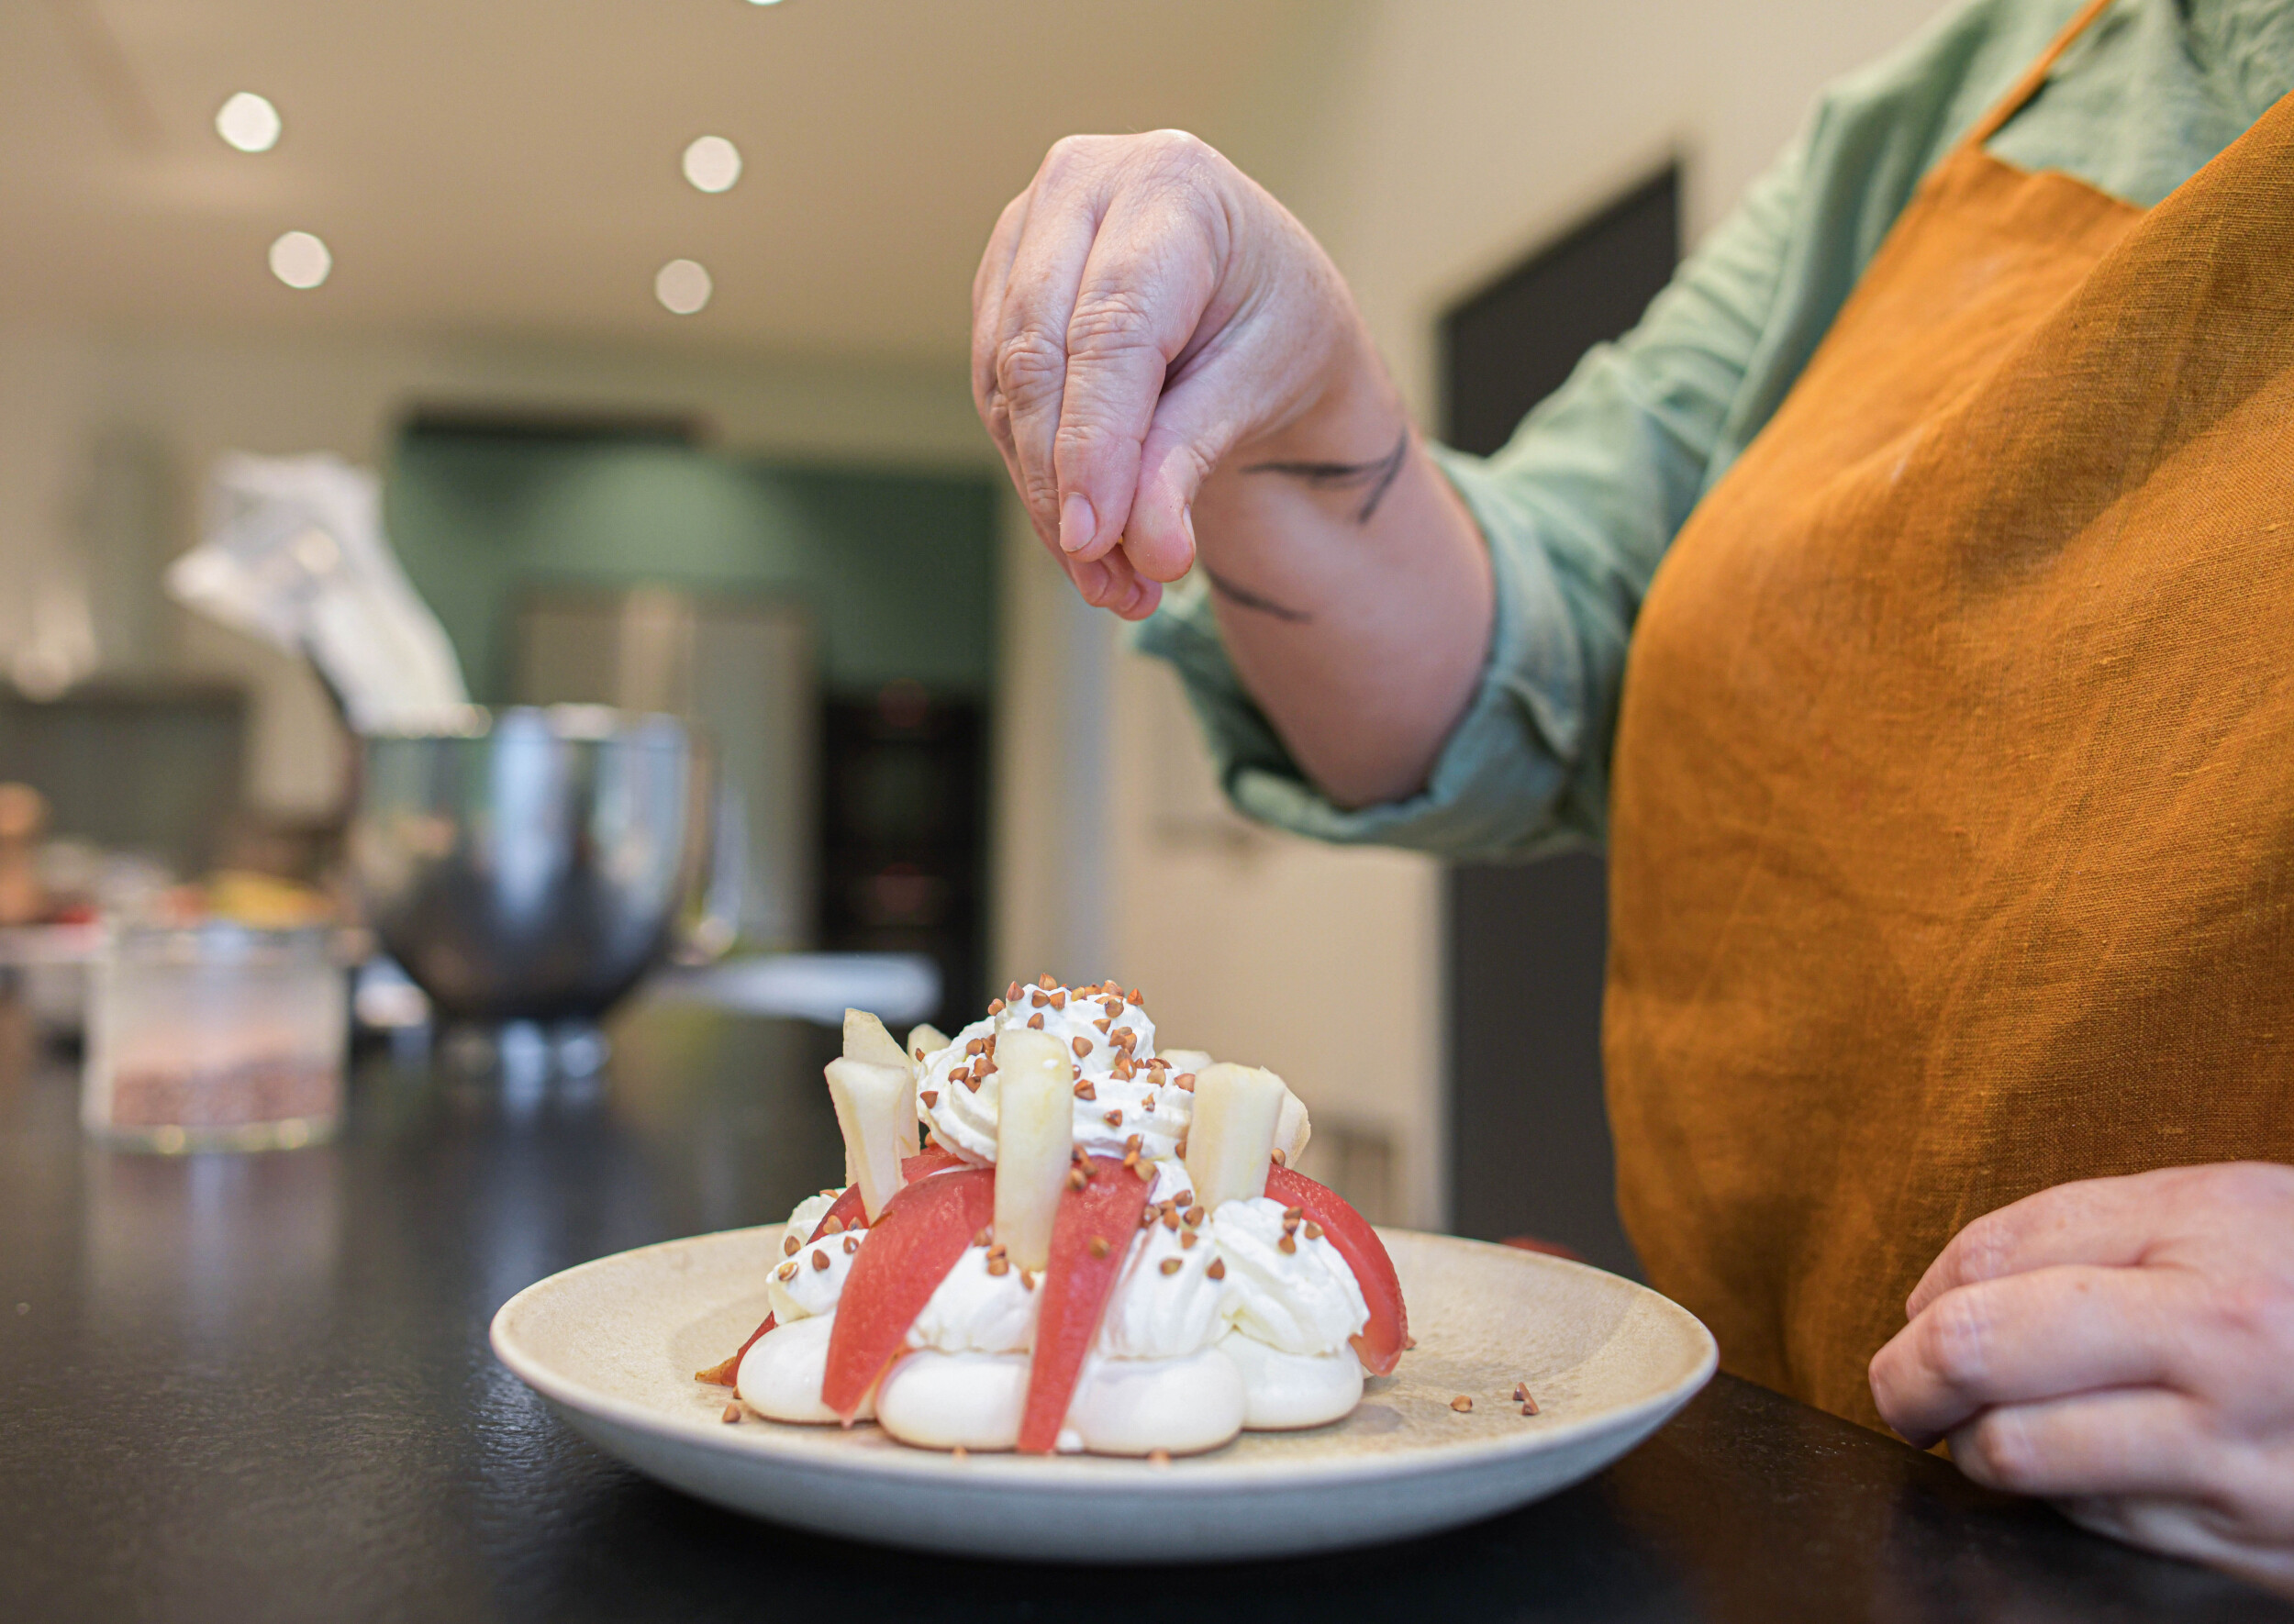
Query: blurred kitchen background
[(686, 428)]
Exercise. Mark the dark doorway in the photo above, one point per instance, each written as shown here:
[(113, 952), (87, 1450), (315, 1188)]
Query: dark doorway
[(1528, 1134)]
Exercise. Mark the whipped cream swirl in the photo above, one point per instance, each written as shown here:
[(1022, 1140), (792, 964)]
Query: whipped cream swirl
[(979, 1310), (1123, 1090), (1303, 1301), (810, 1280)]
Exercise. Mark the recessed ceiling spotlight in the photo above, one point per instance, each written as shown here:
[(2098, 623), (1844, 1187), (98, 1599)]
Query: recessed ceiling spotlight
[(765, 2), (300, 260), (713, 163), (682, 287), (247, 122)]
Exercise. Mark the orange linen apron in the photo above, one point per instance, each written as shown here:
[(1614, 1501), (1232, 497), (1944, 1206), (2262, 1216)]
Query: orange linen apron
[(1953, 830)]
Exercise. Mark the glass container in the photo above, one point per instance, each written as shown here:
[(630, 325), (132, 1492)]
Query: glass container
[(216, 1037)]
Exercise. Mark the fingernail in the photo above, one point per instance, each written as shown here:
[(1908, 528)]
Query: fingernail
[(1186, 523), (1078, 524)]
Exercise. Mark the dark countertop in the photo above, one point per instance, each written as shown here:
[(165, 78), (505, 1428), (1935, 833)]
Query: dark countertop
[(257, 1387)]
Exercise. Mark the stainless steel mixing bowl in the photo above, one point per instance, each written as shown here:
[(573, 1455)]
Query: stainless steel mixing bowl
[(534, 866)]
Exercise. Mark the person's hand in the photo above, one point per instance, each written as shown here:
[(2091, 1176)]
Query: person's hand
[(2125, 1348), (1144, 308)]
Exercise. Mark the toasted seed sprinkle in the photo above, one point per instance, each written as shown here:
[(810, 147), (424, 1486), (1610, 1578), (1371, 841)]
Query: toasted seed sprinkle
[(851, 1244), (1098, 1247), (973, 1084), (1027, 1279), (1408, 1341), (731, 1415), (1147, 1106), (786, 1271), (1082, 1046), (1122, 1065), (789, 1243), (1046, 982), (1529, 1405), (997, 1249), (1170, 1218), (1159, 1457), (1294, 1212), (1288, 1243), (1075, 1178), (1146, 1217), (959, 1453), (1187, 1237), (1290, 1224), (1186, 1080), (1011, 993), (919, 1051), (1059, 999), (1158, 1064), (1460, 1404), (1133, 1142), (1114, 1007), (982, 1238), (1194, 1214), (832, 1195), (831, 1226), (1179, 1150), (1101, 1024), (1217, 1270), (1132, 998), (1114, 1118), (930, 1097), (1036, 1022), (1279, 1158), (819, 1260), (995, 1006), (999, 1266), (1130, 1164), (1083, 1090), (1183, 1200), (1314, 1230)]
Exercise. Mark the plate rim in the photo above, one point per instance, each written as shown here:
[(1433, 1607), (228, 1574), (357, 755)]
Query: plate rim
[(1183, 1475)]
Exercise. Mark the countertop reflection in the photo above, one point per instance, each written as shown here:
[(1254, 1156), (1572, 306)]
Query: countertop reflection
[(253, 1387)]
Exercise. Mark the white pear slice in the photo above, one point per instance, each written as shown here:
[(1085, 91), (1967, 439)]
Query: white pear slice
[(866, 1039), (1237, 1109), (929, 1038), (1034, 1141), (876, 1106), (1292, 1128)]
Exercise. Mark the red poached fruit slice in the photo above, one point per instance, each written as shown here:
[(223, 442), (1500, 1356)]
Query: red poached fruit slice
[(1382, 1341), (929, 1161), (847, 1211), (1090, 1235), (915, 1240)]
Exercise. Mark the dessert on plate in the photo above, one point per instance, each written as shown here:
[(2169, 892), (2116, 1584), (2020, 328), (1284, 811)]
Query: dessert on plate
[(1097, 1247)]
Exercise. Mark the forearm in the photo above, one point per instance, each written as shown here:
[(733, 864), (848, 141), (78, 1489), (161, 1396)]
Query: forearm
[(1353, 591)]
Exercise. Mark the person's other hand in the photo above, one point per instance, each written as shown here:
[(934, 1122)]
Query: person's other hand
[(2124, 1347), (1142, 309)]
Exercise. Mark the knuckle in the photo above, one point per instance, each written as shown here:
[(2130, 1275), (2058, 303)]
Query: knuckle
[(2000, 1451), (1108, 321), (1030, 364), (1955, 1344)]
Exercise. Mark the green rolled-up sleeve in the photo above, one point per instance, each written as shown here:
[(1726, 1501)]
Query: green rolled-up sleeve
[(1577, 512)]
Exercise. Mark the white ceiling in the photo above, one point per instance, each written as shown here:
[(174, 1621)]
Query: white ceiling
[(511, 166)]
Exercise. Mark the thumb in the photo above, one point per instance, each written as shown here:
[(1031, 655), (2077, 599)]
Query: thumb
[(1192, 430)]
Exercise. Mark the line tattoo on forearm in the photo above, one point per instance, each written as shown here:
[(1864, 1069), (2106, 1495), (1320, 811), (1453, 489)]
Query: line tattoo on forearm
[(1242, 597), (1379, 476)]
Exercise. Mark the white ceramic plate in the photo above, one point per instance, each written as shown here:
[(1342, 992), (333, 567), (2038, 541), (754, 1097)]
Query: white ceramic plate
[(613, 1346)]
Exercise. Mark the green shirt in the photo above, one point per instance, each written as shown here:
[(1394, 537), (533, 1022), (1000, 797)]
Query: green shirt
[(1580, 506)]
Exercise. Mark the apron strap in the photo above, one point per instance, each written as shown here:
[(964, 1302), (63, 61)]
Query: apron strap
[(2035, 76)]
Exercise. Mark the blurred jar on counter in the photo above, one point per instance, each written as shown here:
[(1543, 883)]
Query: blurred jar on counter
[(218, 1035)]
